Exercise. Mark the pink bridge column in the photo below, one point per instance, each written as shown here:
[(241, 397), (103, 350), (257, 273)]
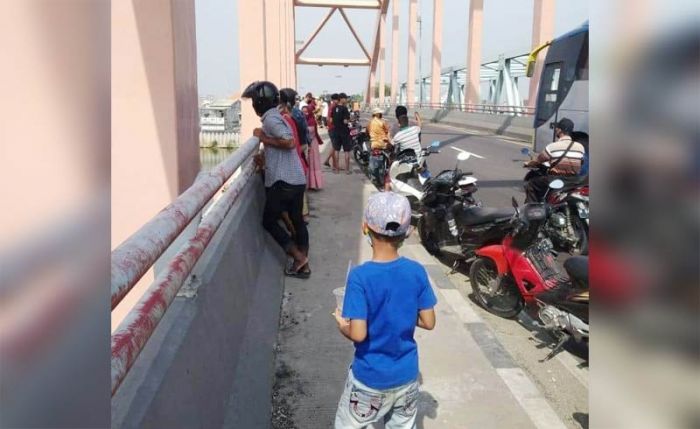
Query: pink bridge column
[(411, 59), (476, 14), (154, 111), (251, 57), (273, 44), (542, 31), (395, 50), (381, 63), (437, 52)]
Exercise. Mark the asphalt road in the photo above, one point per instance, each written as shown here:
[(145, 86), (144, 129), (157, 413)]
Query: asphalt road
[(497, 164)]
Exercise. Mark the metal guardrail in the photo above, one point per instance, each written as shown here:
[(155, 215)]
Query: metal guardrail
[(132, 259), (470, 108)]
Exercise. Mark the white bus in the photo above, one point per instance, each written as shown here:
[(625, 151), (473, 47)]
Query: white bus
[(563, 88)]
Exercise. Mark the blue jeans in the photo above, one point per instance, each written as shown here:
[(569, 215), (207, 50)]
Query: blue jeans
[(361, 406)]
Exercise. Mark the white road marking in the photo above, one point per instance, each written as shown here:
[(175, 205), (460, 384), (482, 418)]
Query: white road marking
[(460, 306), (470, 153), (530, 398)]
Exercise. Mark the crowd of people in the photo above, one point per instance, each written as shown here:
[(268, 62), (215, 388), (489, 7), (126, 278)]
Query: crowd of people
[(387, 297), (291, 160)]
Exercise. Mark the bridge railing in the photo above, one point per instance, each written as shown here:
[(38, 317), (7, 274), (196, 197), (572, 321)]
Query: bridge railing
[(135, 256), (471, 108)]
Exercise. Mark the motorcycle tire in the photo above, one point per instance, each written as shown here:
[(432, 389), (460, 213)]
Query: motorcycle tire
[(581, 230), (357, 154), (481, 274), (427, 239)]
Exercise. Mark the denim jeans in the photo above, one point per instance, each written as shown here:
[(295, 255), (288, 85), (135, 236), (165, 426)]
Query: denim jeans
[(283, 197), (361, 406)]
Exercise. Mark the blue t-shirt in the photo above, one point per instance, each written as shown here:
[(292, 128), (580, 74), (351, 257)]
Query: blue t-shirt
[(388, 295)]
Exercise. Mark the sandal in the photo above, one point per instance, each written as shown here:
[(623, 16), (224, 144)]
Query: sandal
[(290, 272)]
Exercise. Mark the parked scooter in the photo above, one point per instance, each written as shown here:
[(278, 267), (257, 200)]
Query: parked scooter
[(567, 224), (409, 173), (452, 220), (521, 273)]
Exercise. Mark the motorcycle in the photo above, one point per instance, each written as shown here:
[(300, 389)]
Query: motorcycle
[(521, 273), (452, 221), (360, 143), (408, 175), (568, 222)]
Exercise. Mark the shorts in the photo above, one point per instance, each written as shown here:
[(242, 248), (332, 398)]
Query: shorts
[(360, 406), (342, 141)]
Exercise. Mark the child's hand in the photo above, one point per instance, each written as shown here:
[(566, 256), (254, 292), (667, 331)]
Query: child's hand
[(339, 319)]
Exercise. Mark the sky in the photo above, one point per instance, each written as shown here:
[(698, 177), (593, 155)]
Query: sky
[(507, 29)]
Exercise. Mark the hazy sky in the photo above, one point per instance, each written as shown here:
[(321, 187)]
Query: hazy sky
[(507, 29)]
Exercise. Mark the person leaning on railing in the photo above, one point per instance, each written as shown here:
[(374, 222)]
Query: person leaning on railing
[(285, 180)]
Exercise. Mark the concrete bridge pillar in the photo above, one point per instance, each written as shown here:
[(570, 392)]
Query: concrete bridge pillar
[(437, 52), (411, 59), (251, 56), (381, 63), (476, 15), (395, 50), (542, 31), (154, 111)]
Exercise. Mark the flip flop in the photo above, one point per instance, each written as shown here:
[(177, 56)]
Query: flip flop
[(289, 272)]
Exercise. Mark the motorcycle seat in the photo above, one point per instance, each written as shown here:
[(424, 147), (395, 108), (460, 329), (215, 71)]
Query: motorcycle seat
[(577, 268), (477, 215)]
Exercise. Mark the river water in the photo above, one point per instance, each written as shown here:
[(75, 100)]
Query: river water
[(211, 157)]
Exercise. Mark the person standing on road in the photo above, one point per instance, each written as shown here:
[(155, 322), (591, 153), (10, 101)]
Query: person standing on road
[(315, 176), (341, 119), (285, 180), (385, 299), (324, 113), (565, 157), (289, 100), (331, 133), (379, 139)]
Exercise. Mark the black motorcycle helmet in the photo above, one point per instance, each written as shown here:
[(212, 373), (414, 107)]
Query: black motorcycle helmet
[(264, 96), (288, 96)]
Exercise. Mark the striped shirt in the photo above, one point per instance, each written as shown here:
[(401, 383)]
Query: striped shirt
[(408, 138), (280, 164), (570, 164)]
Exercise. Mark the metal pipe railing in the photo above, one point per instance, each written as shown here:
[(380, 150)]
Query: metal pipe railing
[(132, 259), (137, 327), (472, 108)]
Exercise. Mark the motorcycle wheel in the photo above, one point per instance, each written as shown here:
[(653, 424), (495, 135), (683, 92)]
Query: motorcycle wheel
[(356, 153), (427, 239), (506, 301), (581, 230)]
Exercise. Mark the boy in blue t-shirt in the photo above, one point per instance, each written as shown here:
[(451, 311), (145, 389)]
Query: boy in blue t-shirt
[(385, 299)]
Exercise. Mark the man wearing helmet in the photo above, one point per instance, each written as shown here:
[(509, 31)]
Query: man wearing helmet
[(285, 180)]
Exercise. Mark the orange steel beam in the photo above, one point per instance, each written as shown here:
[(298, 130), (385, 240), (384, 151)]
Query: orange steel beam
[(356, 4), (352, 30), (375, 51), (315, 33)]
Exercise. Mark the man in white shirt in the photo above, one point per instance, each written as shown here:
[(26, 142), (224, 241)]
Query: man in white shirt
[(408, 136)]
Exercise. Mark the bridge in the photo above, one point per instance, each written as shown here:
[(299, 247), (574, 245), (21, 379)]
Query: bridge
[(206, 330)]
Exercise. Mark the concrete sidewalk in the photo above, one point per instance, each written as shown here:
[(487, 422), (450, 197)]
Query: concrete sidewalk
[(468, 378)]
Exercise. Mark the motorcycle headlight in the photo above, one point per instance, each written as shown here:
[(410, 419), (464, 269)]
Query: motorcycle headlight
[(558, 220)]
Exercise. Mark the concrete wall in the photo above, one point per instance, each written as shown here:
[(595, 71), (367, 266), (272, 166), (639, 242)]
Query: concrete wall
[(210, 362), (519, 127)]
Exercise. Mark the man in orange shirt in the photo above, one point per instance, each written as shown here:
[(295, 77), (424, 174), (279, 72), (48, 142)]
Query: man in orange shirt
[(378, 131)]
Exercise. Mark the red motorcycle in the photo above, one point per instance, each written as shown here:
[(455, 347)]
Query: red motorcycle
[(522, 273)]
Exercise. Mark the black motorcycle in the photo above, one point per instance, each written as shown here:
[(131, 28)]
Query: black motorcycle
[(360, 143), (452, 221)]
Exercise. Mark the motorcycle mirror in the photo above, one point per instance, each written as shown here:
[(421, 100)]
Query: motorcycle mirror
[(556, 184), (525, 151), (435, 144), (463, 156)]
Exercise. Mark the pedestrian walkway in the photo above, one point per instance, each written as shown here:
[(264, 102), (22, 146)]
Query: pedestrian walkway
[(468, 379)]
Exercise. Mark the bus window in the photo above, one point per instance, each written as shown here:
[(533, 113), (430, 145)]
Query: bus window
[(548, 100)]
